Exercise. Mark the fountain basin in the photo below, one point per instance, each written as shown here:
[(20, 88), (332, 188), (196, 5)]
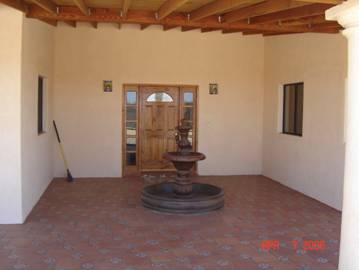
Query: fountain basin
[(184, 162), (184, 157), (203, 198)]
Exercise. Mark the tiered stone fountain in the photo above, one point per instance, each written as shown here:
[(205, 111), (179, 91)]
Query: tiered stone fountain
[(183, 196)]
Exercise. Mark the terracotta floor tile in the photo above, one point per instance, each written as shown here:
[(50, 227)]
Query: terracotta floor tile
[(184, 252), (100, 224), (264, 257)]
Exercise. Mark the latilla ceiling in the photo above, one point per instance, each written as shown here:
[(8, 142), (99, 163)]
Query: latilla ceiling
[(266, 17)]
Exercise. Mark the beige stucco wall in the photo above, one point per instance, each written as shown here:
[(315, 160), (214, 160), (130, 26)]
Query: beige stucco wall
[(37, 150), (312, 164), (26, 159), (10, 115), (230, 124)]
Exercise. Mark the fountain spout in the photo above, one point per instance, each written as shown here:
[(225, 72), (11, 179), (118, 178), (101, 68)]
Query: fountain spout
[(184, 145)]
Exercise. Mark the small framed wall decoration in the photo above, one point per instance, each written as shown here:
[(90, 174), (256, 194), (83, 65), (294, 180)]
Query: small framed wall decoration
[(213, 88), (107, 86)]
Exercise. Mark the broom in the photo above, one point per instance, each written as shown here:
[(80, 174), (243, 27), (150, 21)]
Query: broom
[(69, 175)]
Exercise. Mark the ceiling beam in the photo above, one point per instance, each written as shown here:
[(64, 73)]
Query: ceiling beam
[(147, 17), (50, 22), (17, 4), (188, 28), (307, 20), (333, 2), (267, 7), (168, 27), (230, 31), (125, 6), (317, 30), (47, 5), (209, 29), (295, 13), (168, 7), (71, 23), (82, 6), (252, 32), (219, 6), (326, 25), (267, 34), (144, 26)]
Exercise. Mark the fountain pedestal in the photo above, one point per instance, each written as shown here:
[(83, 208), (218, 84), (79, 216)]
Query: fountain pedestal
[(183, 196)]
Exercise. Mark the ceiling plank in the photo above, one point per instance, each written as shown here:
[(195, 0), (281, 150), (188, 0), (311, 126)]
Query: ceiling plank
[(17, 4), (82, 6), (168, 7), (267, 7), (125, 6), (295, 13), (218, 7), (147, 17), (47, 5)]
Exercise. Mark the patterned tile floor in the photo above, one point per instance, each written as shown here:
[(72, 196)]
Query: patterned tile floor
[(100, 224)]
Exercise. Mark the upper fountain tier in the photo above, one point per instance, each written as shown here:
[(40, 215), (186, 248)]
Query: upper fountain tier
[(184, 154)]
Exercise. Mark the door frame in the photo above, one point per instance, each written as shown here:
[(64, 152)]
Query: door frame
[(136, 170)]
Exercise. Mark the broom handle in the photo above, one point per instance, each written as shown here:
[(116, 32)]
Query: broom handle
[(57, 133), (60, 145)]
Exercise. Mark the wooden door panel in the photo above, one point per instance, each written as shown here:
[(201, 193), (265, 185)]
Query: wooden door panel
[(146, 117), (159, 119)]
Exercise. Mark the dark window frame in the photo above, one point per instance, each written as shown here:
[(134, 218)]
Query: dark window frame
[(296, 85), (40, 105)]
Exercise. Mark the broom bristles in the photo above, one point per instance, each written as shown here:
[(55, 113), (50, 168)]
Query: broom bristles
[(69, 176)]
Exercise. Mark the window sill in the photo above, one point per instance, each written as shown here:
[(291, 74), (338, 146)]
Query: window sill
[(292, 134)]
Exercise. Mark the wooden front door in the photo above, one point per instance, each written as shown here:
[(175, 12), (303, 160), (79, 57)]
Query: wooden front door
[(150, 115), (159, 112)]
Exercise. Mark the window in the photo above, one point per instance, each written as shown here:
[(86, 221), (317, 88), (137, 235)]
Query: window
[(188, 110), (41, 105), (293, 109), (131, 111), (160, 97), (131, 98)]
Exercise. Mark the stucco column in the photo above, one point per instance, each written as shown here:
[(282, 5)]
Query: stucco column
[(347, 14)]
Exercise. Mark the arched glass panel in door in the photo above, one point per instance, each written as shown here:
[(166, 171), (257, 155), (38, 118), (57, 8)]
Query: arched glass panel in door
[(160, 97)]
